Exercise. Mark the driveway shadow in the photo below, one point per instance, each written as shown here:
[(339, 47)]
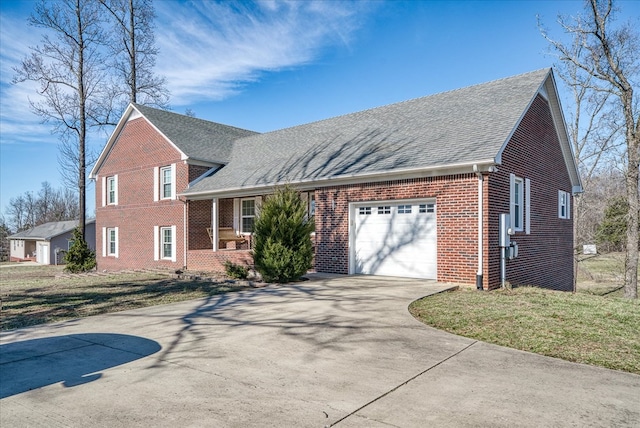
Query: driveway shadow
[(72, 359)]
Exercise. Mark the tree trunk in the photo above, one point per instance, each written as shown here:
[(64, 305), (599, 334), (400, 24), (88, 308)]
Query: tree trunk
[(82, 134), (631, 260)]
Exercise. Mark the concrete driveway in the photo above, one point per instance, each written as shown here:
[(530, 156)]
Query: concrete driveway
[(333, 351)]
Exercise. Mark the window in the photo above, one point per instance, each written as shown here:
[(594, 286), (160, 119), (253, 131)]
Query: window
[(517, 203), (166, 181), (564, 205), (164, 243), (364, 210), (384, 210), (247, 215), (167, 242), (404, 209), (110, 241), (426, 208), (111, 190)]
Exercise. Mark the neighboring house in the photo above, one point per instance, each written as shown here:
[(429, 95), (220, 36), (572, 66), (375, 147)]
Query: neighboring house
[(47, 243), (412, 189)]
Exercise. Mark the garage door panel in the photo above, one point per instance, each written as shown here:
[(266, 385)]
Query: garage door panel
[(397, 239)]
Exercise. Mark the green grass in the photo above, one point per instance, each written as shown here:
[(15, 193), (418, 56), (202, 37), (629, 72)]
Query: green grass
[(601, 331), (601, 274), (34, 295)]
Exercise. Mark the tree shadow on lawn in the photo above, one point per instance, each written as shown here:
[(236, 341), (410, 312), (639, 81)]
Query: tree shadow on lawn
[(41, 305)]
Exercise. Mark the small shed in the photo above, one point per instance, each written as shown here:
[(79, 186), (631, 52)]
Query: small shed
[(47, 243)]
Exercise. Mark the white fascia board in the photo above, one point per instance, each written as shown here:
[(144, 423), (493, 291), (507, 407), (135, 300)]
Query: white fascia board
[(549, 91), (563, 133), (111, 141), (130, 113), (461, 168)]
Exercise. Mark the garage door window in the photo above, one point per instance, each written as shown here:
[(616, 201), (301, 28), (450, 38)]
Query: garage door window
[(404, 209), (384, 210), (364, 211), (426, 208)]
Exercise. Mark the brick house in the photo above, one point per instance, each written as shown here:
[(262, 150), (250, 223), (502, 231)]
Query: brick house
[(411, 189)]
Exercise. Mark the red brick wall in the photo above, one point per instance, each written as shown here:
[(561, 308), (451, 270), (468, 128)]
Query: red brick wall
[(199, 221), (210, 261), (546, 255), (456, 201), (133, 157)]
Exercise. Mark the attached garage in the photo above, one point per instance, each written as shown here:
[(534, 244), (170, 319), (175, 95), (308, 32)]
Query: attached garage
[(394, 238)]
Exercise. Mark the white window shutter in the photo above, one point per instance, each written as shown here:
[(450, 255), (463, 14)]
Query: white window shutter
[(258, 204), (156, 243), (512, 201), (104, 242), (156, 183), (527, 205), (117, 243), (568, 205), (104, 191), (173, 243), (173, 181), (115, 185)]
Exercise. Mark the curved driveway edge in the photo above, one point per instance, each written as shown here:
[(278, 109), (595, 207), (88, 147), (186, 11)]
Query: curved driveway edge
[(333, 351)]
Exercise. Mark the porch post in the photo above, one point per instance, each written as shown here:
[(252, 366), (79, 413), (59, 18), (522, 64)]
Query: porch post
[(214, 224)]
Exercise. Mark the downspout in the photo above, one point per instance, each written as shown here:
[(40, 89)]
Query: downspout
[(480, 227)]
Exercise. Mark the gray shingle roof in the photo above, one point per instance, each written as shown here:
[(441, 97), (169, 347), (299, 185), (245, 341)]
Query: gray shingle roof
[(461, 126), (197, 138), (47, 231)]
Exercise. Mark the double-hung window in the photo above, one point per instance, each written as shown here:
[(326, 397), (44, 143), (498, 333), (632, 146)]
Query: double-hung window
[(109, 242), (164, 182), (516, 211), (111, 190), (564, 205), (167, 242), (247, 215), (164, 241)]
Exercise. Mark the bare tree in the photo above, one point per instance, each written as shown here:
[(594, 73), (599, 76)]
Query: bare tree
[(69, 67), (29, 210), (609, 63), (134, 52)]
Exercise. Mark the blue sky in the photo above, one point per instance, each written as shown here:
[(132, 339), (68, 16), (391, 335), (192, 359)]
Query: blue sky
[(272, 65)]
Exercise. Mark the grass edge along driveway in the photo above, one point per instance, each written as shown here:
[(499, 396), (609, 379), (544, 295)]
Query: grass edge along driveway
[(582, 328)]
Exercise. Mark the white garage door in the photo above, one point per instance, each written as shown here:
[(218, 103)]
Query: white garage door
[(394, 239)]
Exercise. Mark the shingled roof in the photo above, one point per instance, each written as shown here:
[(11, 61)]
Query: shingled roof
[(461, 127), (47, 231), (198, 139)]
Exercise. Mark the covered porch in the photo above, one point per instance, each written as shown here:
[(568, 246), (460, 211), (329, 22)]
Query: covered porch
[(219, 230)]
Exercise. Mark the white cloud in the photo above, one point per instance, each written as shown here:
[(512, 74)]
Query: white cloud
[(209, 49)]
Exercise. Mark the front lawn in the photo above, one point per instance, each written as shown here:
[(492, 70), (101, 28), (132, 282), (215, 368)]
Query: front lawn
[(590, 329), (42, 294)]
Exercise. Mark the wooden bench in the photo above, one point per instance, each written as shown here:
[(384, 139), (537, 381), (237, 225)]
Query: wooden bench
[(227, 235)]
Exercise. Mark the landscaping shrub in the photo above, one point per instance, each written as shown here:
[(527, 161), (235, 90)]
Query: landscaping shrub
[(79, 258), (235, 271), (282, 250)]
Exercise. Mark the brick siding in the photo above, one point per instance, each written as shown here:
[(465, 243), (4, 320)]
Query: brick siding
[(546, 255), (133, 157), (456, 216)]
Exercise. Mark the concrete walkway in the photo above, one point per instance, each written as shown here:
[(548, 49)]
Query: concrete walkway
[(334, 351)]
